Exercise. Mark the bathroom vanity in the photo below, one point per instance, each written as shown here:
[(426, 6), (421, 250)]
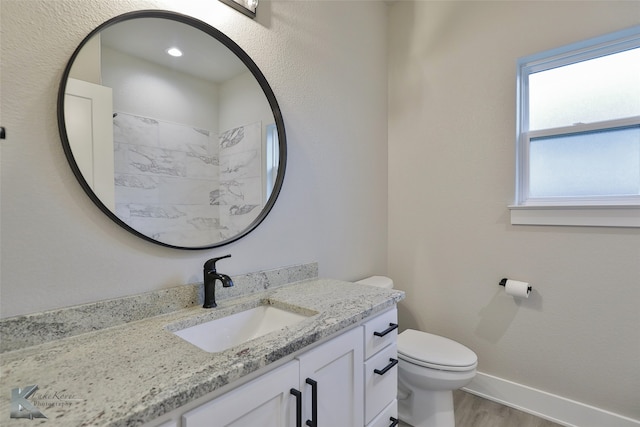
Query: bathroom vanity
[(351, 380), (141, 373), (330, 371)]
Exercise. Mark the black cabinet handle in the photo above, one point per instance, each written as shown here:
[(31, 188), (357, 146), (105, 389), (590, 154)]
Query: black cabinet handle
[(392, 327), (392, 363), (313, 422), (394, 422), (298, 396)]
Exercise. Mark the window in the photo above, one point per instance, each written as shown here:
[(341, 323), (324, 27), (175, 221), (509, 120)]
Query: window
[(272, 159), (579, 132)]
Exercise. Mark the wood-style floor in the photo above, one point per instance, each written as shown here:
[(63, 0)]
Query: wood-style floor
[(474, 411)]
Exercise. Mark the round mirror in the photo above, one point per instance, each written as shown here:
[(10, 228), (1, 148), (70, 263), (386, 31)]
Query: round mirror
[(172, 130)]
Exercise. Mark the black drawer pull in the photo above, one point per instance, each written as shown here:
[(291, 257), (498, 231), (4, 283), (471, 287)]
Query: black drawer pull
[(394, 422), (298, 396), (392, 363), (392, 327), (313, 422)]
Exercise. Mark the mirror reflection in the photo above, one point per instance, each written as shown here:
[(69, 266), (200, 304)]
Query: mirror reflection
[(172, 133)]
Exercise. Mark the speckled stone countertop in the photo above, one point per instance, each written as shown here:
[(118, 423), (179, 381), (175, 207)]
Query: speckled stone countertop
[(131, 373)]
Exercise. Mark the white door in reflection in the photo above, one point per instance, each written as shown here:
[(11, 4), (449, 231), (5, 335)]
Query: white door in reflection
[(89, 120)]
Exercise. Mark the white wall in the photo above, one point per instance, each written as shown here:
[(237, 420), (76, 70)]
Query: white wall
[(451, 149), (452, 69), (326, 64), (141, 88), (242, 101)]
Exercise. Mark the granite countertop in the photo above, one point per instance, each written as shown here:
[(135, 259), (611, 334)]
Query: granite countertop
[(131, 373)]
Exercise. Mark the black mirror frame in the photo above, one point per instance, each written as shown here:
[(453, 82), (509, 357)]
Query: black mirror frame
[(242, 55)]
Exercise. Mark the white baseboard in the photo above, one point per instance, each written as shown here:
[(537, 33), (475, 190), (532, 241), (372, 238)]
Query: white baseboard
[(545, 405)]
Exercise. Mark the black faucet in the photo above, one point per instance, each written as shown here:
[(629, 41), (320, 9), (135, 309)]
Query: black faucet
[(210, 277)]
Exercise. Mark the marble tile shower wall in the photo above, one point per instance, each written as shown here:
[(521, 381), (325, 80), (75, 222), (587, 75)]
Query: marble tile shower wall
[(241, 191), (170, 184)]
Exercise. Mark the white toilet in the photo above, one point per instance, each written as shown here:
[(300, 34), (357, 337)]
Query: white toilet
[(430, 367)]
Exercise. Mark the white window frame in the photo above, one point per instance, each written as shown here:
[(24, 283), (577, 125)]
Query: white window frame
[(609, 211)]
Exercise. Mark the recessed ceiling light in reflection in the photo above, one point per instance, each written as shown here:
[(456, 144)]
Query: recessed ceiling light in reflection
[(174, 51)]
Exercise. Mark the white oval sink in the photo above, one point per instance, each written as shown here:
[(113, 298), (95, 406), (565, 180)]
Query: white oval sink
[(225, 332)]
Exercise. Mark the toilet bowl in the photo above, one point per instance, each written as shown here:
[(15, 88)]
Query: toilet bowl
[(430, 367)]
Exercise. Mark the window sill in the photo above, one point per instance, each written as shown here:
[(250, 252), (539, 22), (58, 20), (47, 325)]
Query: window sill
[(584, 216)]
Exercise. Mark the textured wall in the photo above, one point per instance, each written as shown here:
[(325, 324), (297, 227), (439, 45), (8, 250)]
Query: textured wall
[(452, 69), (326, 64)]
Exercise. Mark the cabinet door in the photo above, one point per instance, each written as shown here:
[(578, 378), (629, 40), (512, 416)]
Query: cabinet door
[(264, 402), (336, 369)]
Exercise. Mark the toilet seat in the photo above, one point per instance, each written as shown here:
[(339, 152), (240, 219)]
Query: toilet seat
[(435, 352)]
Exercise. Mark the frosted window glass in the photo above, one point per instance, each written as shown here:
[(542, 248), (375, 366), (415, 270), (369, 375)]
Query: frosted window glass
[(604, 88), (601, 163)]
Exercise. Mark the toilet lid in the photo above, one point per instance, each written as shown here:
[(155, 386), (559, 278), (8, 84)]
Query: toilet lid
[(435, 352)]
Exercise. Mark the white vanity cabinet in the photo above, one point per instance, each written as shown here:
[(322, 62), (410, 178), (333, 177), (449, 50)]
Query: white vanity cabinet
[(337, 382), (329, 378), (381, 370)]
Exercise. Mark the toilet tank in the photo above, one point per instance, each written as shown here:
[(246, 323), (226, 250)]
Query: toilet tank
[(378, 281)]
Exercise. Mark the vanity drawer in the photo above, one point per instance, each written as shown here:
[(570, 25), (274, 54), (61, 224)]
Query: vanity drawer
[(387, 418), (383, 326), (381, 381)]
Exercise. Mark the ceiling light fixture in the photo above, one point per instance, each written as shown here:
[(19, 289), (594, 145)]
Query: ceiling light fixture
[(248, 7), (174, 51)]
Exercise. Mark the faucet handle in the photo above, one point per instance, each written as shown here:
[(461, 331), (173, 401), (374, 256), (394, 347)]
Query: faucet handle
[(210, 265)]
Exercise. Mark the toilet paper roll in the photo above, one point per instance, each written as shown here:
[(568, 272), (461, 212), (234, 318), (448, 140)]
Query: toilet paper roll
[(517, 288)]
